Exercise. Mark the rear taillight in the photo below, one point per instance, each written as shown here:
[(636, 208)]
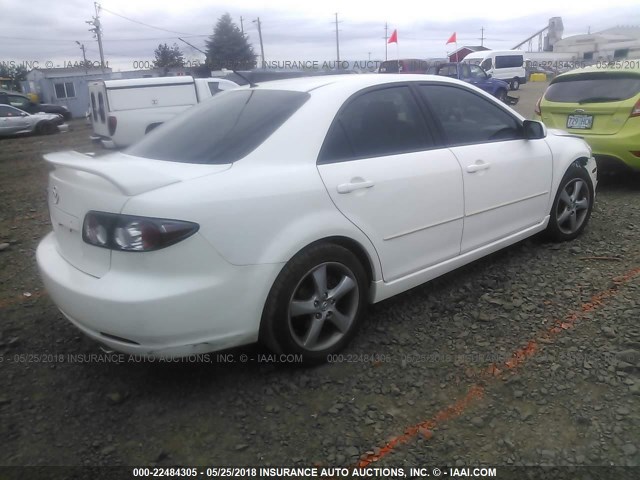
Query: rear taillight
[(113, 123), (635, 112), (537, 107), (130, 233)]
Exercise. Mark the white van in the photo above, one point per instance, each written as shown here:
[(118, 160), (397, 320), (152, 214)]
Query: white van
[(507, 65), (123, 111)]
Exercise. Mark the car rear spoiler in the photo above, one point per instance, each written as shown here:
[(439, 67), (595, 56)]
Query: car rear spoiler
[(132, 178)]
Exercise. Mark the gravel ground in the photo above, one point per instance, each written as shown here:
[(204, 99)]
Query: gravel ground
[(528, 357)]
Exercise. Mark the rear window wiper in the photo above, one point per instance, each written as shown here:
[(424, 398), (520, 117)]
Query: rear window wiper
[(599, 99)]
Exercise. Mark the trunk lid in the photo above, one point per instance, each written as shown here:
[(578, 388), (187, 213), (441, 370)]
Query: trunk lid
[(607, 118), (80, 183)]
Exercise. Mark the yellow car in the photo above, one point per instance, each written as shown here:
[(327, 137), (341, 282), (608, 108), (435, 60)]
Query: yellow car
[(602, 105)]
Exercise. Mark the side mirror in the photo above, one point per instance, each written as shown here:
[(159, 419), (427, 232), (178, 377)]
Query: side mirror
[(24, 114), (534, 130), (489, 75)]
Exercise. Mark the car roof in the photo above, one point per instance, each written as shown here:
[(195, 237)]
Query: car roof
[(348, 82), (615, 68)]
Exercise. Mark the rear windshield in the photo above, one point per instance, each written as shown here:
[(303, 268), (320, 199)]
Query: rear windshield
[(222, 130), (593, 88)]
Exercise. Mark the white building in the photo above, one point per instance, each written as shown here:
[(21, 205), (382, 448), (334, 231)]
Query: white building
[(616, 43)]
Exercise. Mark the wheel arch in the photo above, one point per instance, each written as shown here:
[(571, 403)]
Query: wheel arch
[(265, 334), (354, 247)]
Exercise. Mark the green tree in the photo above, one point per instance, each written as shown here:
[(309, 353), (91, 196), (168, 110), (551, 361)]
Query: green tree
[(168, 57), (17, 74), (228, 47)]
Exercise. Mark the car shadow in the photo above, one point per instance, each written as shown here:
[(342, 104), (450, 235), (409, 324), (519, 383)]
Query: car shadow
[(619, 181)]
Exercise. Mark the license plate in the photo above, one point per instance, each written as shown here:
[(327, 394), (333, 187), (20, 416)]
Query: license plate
[(579, 121)]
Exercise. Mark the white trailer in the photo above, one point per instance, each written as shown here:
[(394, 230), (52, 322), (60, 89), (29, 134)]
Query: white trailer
[(123, 111)]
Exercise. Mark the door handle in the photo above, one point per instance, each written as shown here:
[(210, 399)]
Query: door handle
[(479, 165), (350, 187)]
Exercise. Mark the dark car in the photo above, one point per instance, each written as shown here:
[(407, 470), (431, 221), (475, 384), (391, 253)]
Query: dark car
[(23, 102), (476, 76)]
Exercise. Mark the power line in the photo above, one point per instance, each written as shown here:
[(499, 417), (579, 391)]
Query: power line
[(142, 23)]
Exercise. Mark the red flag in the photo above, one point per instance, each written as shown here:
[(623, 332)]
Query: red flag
[(452, 39), (394, 37)]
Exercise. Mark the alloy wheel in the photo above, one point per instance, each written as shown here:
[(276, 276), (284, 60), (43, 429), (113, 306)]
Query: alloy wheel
[(323, 306), (573, 206)]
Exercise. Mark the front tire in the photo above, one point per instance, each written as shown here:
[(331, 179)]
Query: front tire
[(45, 128), (316, 303), (572, 206), (502, 95), (515, 84)]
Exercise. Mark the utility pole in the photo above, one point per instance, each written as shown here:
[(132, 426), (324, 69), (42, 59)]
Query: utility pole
[(241, 24), (97, 31), (386, 38), (482, 37), (84, 56), (337, 44), (260, 35)]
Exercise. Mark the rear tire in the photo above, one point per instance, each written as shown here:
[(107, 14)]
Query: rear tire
[(315, 305), (572, 206)]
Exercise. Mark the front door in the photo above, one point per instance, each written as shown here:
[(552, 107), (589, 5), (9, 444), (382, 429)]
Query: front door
[(507, 178)]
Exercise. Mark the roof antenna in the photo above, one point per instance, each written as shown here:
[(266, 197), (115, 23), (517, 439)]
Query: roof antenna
[(250, 82)]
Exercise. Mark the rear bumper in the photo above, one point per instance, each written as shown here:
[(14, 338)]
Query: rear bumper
[(139, 308), (617, 146), (105, 141), (609, 149)]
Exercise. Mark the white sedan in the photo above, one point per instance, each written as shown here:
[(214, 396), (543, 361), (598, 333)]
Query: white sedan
[(14, 121), (277, 212)]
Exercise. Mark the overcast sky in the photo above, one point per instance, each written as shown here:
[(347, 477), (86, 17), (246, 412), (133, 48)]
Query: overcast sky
[(46, 31)]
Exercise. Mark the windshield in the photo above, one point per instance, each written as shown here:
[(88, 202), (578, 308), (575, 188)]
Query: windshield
[(593, 88), (221, 130)]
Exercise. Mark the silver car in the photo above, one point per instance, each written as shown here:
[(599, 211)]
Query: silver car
[(14, 121)]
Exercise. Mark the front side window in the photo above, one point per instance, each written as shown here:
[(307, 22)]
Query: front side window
[(477, 72), (374, 124), (221, 130), (19, 101), (486, 64), (468, 118)]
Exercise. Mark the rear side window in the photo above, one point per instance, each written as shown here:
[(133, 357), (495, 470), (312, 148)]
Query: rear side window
[(593, 88), (509, 61), (221, 130), (374, 124)]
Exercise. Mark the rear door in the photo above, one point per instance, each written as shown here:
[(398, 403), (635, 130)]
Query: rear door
[(383, 171), (99, 108), (11, 120)]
